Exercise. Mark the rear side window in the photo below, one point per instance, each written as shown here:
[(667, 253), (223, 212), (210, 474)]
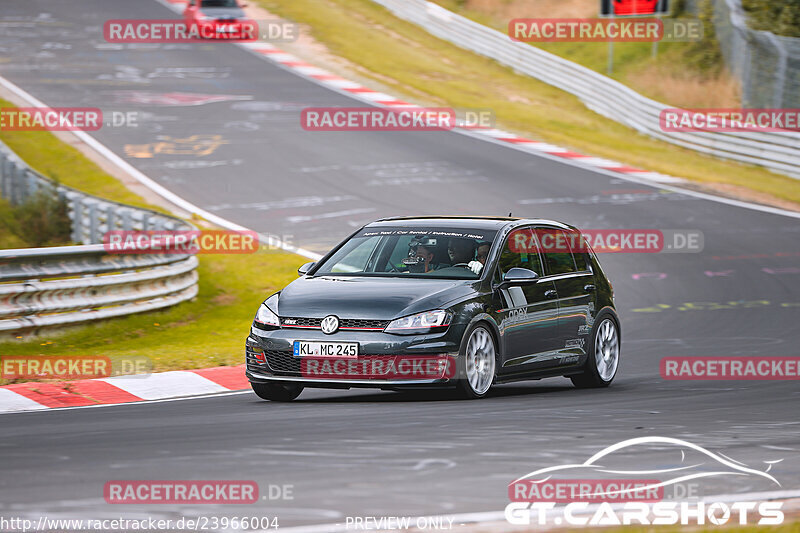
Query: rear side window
[(521, 250), (580, 250), (556, 251)]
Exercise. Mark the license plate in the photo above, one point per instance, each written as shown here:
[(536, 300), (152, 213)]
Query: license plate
[(325, 349)]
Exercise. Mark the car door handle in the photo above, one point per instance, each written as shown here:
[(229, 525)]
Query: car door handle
[(589, 287), (550, 293)]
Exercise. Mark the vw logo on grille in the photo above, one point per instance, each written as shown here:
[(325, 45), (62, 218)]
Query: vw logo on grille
[(330, 324)]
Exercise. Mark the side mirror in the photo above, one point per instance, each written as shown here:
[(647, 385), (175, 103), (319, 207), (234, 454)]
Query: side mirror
[(517, 276), (303, 270)]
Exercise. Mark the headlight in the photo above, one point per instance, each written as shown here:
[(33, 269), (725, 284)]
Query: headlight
[(265, 316), (419, 323)]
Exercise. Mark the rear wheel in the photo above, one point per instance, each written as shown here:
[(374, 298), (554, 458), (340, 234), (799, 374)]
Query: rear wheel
[(277, 392), (478, 363), (603, 361)]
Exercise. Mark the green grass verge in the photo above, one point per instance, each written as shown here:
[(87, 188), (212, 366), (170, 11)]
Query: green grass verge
[(420, 67), (207, 331)]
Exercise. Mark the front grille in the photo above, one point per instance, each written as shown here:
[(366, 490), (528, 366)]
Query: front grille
[(283, 362), (308, 323), (357, 323), (344, 323)]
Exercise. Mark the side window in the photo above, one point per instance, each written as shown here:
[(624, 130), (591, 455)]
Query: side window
[(580, 249), (556, 251), (520, 250)]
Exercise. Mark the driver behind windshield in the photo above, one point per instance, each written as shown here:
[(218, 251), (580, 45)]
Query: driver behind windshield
[(462, 253)]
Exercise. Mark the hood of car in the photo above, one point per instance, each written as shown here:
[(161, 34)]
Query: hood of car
[(367, 297), (227, 13)]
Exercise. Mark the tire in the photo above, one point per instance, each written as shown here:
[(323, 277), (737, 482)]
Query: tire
[(277, 392), (477, 362), (603, 362)]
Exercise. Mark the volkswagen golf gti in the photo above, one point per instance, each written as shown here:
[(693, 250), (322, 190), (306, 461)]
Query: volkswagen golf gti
[(430, 302)]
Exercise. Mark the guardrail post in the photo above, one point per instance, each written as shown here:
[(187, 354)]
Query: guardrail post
[(12, 183), (111, 218), (127, 223), (77, 218), (4, 181), (94, 223)]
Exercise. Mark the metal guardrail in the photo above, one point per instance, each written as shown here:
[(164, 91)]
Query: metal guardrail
[(779, 152), (62, 285)]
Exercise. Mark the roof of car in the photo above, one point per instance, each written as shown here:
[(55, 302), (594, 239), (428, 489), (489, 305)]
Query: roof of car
[(483, 222)]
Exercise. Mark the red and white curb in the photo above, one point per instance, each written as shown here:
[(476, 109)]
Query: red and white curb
[(37, 396)]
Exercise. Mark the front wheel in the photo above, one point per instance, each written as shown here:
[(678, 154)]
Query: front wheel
[(277, 392), (478, 363), (603, 361)]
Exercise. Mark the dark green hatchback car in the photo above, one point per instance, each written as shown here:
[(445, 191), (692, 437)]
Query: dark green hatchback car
[(440, 302)]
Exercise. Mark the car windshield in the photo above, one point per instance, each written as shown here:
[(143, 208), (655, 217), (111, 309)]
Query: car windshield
[(218, 3), (435, 252)]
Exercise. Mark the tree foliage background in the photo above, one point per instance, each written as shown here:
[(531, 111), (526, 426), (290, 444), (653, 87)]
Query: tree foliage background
[(781, 17)]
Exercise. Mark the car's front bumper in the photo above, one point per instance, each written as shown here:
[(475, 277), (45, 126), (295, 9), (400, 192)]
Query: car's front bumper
[(342, 383), (278, 364)]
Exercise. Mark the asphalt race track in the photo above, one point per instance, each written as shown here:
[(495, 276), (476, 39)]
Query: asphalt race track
[(380, 453)]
